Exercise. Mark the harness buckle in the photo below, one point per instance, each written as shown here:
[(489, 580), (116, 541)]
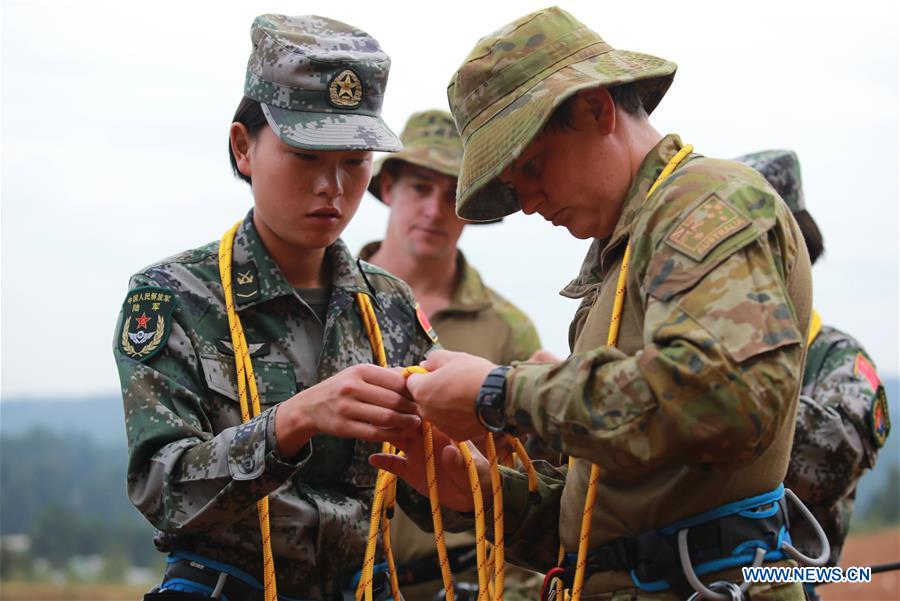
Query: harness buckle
[(723, 589)]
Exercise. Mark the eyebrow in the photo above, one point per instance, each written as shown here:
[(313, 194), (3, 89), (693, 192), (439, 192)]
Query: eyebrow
[(420, 173)]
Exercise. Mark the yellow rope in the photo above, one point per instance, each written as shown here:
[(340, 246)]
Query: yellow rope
[(498, 550), (815, 326), (245, 378), (612, 339), (522, 454), (478, 502), (385, 483)]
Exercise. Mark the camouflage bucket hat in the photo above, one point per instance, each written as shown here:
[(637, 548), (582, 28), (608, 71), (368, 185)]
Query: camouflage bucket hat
[(430, 140), (320, 83), (781, 168), (512, 81)]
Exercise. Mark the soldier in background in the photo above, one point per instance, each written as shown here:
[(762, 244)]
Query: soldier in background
[(842, 418), (420, 246), (302, 138)]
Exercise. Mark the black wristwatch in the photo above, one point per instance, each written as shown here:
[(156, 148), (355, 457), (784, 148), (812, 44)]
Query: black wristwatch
[(490, 404)]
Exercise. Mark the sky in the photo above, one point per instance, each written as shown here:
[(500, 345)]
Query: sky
[(114, 120)]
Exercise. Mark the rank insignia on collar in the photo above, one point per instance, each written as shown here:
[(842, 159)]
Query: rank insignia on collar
[(426, 325), (146, 321), (345, 90), (246, 283)]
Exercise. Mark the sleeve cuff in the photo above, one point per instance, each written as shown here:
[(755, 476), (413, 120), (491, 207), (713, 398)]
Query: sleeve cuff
[(253, 451), (274, 456), (522, 386)]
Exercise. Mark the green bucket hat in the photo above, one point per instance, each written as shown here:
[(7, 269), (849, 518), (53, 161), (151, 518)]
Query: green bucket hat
[(781, 168), (430, 140), (320, 83), (512, 81)]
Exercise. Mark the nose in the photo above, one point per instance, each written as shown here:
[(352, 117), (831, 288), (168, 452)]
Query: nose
[(527, 192), (529, 199), (433, 204), (328, 183)]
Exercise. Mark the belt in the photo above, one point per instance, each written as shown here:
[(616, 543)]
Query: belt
[(191, 573), (719, 539)]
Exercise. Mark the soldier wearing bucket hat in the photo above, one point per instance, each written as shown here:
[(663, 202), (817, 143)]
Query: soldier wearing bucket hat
[(420, 246), (258, 482), (676, 403), (842, 418)]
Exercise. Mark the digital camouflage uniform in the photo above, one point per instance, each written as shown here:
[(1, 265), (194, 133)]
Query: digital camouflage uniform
[(478, 321), (195, 470), (695, 406), (842, 418)]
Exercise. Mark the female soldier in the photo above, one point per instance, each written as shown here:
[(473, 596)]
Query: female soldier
[(201, 459)]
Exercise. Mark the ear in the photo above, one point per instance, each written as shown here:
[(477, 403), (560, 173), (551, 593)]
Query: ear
[(385, 182), (239, 139), (599, 103)]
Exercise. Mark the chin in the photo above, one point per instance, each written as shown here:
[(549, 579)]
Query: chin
[(579, 232)]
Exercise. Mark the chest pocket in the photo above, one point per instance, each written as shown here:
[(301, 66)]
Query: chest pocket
[(274, 379)]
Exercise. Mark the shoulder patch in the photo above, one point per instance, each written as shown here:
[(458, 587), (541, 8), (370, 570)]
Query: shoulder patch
[(864, 368), (147, 321), (705, 227), (880, 418), (425, 324)]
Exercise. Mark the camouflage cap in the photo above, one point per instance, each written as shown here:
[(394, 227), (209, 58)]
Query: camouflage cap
[(320, 82), (781, 168), (512, 81), (429, 140)]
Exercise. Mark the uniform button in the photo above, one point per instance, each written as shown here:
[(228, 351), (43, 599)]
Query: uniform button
[(247, 465)]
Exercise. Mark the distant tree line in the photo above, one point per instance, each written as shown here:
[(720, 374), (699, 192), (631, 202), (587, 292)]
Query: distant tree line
[(67, 494)]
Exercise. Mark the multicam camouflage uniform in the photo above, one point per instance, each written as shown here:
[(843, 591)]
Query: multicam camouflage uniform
[(694, 407), (479, 321), (842, 418), (195, 470)]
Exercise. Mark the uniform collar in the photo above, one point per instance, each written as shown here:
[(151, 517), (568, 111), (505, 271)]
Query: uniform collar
[(257, 278), (470, 294), (601, 252)]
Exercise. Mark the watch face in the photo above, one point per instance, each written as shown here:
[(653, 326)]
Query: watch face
[(492, 416)]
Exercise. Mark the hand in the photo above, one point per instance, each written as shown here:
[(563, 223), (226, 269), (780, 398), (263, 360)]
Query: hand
[(446, 396), (364, 401), (543, 356), (454, 489)]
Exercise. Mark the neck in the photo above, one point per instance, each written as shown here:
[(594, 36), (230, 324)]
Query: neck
[(301, 267), (641, 138), (431, 277)]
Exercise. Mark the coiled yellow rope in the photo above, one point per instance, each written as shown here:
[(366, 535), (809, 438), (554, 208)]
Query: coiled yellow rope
[(612, 339), (245, 378), (385, 486)]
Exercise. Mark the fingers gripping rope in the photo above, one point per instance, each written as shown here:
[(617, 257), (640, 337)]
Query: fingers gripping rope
[(245, 379)]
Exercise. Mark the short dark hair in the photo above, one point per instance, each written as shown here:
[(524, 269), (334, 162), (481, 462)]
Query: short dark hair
[(625, 96), (250, 114), (815, 243)]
